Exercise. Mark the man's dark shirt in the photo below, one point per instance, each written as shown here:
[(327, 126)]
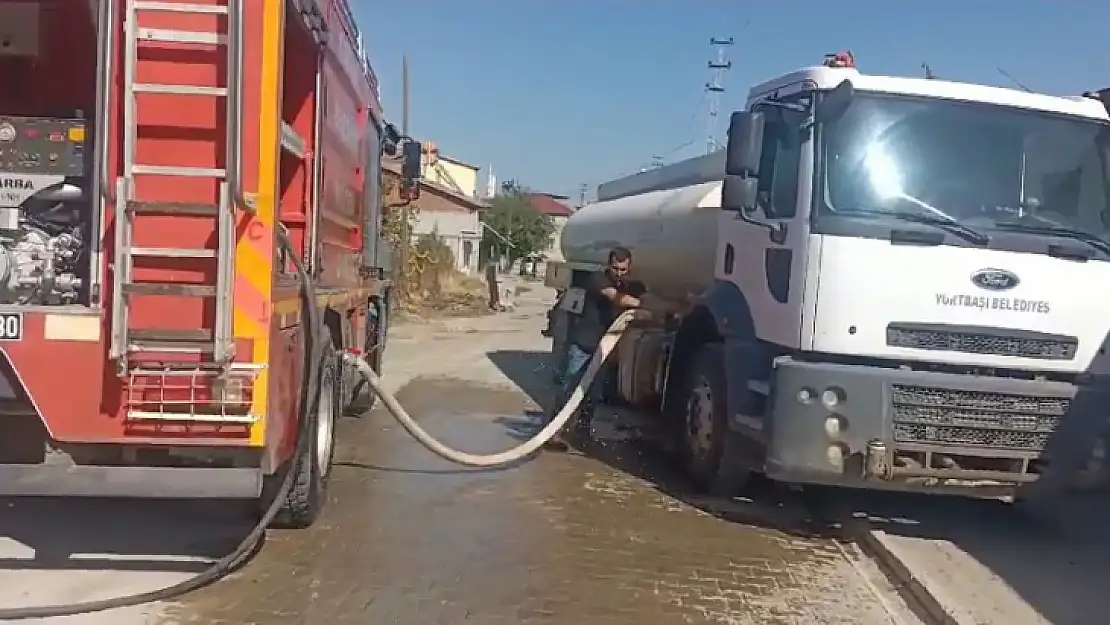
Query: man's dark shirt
[(598, 312)]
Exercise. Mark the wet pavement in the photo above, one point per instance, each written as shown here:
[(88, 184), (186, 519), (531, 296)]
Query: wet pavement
[(610, 536), (563, 539), (66, 551)]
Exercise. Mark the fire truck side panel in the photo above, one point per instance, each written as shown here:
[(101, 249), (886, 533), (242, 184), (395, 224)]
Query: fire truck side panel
[(61, 370), (294, 87), (349, 130), (298, 109), (347, 95), (285, 375), (323, 214)]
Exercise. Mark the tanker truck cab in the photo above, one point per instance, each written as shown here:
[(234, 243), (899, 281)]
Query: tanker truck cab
[(899, 295)]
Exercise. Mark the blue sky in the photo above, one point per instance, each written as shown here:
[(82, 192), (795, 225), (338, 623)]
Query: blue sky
[(558, 93)]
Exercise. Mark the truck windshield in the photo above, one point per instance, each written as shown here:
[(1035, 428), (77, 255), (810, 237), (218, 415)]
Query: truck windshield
[(989, 168)]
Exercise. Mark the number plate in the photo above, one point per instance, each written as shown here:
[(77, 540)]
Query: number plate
[(11, 326)]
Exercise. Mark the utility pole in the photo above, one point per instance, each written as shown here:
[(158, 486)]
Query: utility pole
[(714, 88), (405, 95)]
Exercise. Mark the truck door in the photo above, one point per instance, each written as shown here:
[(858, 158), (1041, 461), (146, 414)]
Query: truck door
[(770, 270)]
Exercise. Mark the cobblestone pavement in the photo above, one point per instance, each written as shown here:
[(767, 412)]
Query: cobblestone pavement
[(409, 539), (564, 539), (985, 562)]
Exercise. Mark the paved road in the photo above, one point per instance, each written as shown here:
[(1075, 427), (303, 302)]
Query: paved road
[(563, 539), (610, 537), (983, 562)]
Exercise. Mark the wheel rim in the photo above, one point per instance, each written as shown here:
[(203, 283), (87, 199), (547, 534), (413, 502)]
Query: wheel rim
[(325, 423), (699, 419)]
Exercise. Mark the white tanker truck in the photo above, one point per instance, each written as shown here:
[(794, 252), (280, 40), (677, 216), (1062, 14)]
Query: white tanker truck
[(881, 282)]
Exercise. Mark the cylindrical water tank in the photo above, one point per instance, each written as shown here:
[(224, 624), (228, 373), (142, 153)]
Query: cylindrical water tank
[(672, 235)]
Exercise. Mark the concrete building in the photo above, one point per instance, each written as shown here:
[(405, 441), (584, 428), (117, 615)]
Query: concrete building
[(452, 216), (449, 172), (555, 207)]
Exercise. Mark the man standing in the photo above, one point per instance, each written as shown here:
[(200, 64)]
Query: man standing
[(608, 294)]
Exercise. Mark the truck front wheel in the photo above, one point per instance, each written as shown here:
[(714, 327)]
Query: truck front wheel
[(712, 451)]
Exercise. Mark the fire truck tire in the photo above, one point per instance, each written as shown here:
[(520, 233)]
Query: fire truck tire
[(712, 452), (313, 464)]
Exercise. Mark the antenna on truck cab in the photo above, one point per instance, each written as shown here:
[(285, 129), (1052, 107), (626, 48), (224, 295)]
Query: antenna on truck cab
[(1014, 80)]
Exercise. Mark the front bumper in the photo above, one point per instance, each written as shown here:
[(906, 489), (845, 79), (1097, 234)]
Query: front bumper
[(857, 425)]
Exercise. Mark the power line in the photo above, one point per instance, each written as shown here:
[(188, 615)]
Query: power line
[(710, 94), (659, 159), (1014, 80)]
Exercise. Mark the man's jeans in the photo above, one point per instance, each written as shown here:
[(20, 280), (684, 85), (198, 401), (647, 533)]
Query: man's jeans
[(578, 361)]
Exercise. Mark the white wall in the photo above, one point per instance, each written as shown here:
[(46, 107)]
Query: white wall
[(554, 251), (448, 173), (455, 229)]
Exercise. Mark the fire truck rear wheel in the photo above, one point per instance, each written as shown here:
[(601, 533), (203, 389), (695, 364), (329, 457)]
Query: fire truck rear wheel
[(312, 467), (363, 397), (712, 451)]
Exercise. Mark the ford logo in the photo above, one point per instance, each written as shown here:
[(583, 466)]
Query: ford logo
[(994, 279)]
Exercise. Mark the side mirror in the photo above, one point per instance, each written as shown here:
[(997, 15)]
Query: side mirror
[(836, 102), (745, 143), (739, 193), (410, 170), (391, 138), (410, 167)]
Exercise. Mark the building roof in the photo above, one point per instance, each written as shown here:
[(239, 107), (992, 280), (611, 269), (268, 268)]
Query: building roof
[(394, 168), (546, 205), (452, 159), (554, 196)]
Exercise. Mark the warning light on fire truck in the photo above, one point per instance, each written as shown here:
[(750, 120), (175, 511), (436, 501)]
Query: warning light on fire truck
[(843, 59)]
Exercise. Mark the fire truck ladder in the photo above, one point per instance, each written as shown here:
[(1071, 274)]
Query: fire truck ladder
[(215, 347)]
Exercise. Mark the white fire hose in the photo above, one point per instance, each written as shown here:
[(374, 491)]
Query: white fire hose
[(243, 551), (605, 348)]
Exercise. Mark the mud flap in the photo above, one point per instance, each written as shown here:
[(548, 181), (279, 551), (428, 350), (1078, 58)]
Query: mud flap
[(741, 365)]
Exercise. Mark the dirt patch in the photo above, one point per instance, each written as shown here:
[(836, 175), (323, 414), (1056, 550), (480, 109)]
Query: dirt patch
[(455, 295)]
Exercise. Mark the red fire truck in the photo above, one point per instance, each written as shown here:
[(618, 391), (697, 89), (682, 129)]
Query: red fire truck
[(155, 334)]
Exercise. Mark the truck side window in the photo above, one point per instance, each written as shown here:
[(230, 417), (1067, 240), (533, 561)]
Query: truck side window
[(778, 170)]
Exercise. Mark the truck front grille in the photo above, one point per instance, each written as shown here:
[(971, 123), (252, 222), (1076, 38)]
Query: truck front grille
[(987, 341), (928, 415)]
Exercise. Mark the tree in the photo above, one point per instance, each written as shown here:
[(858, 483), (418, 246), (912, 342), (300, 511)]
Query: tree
[(514, 228)]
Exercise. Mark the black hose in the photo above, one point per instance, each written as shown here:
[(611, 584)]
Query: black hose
[(246, 548)]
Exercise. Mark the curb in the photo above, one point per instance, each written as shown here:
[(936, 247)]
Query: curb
[(915, 589)]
